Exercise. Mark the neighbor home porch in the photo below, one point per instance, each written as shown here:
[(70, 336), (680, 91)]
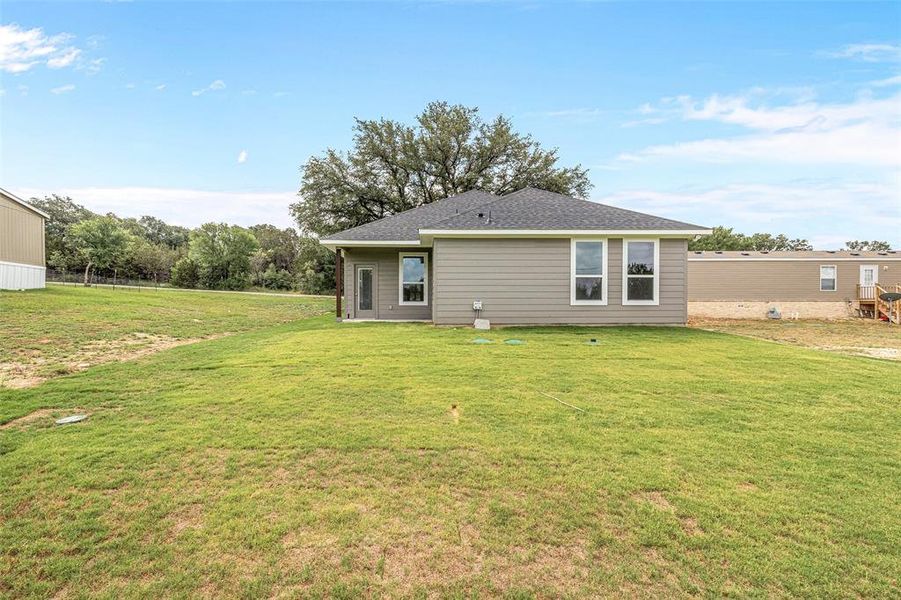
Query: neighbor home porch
[(871, 303)]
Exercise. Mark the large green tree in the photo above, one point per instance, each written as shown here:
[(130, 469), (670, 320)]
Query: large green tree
[(278, 246), (724, 238), (394, 167), (222, 254), (102, 241), (63, 213)]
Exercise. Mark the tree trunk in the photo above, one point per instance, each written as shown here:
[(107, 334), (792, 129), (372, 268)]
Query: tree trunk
[(87, 269)]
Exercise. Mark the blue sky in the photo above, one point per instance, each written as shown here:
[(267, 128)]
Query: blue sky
[(766, 117)]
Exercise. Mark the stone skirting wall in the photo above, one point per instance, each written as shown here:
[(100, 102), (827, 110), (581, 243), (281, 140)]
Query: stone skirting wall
[(759, 310)]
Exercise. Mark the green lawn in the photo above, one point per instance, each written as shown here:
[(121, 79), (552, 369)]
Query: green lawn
[(60, 330), (311, 459)]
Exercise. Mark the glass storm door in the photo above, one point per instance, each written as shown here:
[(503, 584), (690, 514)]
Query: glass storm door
[(365, 293), (869, 275)]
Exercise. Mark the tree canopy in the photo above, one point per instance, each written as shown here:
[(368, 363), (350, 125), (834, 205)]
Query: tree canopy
[(393, 167), (222, 255), (724, 238), (102, 241), (867, 245)]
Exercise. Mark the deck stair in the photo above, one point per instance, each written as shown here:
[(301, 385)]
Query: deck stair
[(873, 295)]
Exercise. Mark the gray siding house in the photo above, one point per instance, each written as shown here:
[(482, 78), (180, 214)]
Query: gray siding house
[(529, 257)]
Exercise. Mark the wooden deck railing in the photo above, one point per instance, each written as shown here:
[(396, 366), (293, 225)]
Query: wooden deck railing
[(892, 310), (867, 293)]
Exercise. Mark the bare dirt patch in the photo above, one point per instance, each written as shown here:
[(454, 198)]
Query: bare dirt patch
[(34, 367), (888, 353), (856, 337)]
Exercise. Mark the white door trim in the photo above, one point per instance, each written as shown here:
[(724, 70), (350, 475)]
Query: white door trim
[(875, 273)]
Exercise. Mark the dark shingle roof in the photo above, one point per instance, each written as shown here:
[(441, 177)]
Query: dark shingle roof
[(405, 226), (529, 208), (532, 208)]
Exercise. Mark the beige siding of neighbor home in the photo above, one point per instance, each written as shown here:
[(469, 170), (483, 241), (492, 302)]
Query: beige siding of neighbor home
[(387, 285), (780, 280), (527, 281), (21, 234)]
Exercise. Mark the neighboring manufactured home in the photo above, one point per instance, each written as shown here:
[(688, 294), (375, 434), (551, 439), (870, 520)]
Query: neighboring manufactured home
[(804, 284), (22, 260), (528, 257)]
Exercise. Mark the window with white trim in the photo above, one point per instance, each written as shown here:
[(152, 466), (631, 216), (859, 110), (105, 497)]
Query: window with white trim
[(641, 271), (588, 280), (828, 277), (413, 278)]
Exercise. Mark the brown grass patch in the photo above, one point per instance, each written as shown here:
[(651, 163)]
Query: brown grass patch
[(654, 498), (690, 526), (186, 517), (32, 369), (857, 337)]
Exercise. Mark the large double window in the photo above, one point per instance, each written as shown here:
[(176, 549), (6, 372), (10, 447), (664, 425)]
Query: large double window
[(641, 277), (588, 281), (414, 278)]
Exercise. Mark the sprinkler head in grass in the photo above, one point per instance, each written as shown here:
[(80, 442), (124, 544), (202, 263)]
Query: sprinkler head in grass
[(593, 342), (71, 419), (514, 342), (481, 341)]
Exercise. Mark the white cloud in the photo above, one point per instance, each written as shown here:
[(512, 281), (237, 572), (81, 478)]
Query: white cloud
[(23, 49), (868, 52), (64, 60), (160, 87), (130, 86), (63, 89), (887, 82), (866, 131), (23, 90), (213, 87), (93, 66), (822, 211), (186, 207), (242, 157)]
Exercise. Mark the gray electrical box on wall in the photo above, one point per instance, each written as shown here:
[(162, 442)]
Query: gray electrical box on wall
[(476, 305)]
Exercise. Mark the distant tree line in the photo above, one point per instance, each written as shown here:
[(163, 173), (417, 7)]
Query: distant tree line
[(212, 256), (724, 238)]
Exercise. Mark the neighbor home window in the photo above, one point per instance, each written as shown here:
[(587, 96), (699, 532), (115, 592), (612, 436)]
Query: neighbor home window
[(414, 278), (827, 278), (641, 271), (588, 282)]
